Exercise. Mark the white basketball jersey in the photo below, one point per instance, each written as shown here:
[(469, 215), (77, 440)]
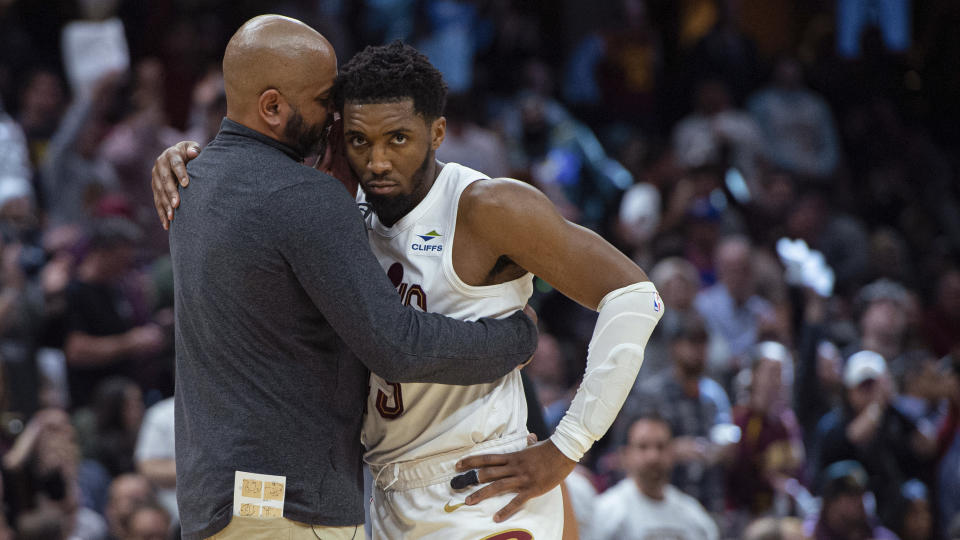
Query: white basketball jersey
[(415, 420)]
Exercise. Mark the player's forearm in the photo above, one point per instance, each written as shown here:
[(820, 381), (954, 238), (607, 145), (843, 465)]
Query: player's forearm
[(627, 318)]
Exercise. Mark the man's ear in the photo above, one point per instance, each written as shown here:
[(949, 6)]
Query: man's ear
[(271, 107), (438, 130)]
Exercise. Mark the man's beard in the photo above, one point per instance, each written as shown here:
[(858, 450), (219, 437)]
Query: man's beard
[(390, 208), (306, 140), (691, 369), (654, 476)]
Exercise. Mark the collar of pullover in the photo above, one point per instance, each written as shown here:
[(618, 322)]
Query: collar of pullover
[(234, 129)]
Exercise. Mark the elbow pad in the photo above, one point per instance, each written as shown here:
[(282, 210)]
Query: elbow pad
[(627, 318)]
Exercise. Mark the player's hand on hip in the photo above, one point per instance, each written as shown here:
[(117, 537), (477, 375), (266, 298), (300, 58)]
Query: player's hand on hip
[(529, 473), (168, 170)]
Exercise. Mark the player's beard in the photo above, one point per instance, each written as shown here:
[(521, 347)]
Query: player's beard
[(306, 140), (390, 208)]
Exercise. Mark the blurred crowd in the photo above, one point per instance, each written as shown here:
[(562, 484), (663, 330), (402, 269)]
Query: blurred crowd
[(784, 170)]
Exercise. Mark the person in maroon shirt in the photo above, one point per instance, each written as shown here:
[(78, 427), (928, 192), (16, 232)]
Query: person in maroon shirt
[(770, 450), (941, 323)]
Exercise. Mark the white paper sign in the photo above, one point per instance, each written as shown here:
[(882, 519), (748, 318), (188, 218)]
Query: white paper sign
[(92, 49)]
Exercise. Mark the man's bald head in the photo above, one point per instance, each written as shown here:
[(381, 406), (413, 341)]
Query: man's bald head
[(272, 52)]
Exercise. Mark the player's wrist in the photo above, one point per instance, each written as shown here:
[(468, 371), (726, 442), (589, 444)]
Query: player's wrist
[(560, 455), (572, 442)]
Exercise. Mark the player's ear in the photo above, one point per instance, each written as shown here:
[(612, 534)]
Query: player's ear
[(438, 130), (270, 106)]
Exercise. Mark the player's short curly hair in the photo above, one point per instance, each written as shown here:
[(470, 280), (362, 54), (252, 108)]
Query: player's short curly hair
[(390, 73)]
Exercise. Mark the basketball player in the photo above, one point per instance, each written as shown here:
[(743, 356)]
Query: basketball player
[(457, 242)]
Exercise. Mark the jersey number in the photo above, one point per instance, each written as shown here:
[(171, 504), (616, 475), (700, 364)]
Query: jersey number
[(384, 407), (392, 408)]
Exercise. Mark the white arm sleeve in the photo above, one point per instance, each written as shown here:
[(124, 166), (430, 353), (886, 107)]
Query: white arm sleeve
[(627, 318)]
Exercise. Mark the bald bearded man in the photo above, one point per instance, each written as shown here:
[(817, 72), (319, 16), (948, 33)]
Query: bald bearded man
[(273, 307)]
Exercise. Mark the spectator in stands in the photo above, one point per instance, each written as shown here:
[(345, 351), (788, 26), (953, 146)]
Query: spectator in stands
[(770, 450), (883, 307), (678, 283), (734, 313), (103, 336), (771, 528), (109, 428), (914, 520), (469, 143), (691, 404), (148, 521), (208, 108), (14, 154), (797, 125), (725, 51), (869, 430), (132, 144), (551, 379), (43, 467), (155, 454), (948, 473), (841, 237), (618, 68), (583, 497), (844, 516), (942, 319), (818, 387), (42, 101), (562, 156), (41, 524), (73, 175), (644, 504), (127, 493), (22, 299), (717, 133), (924, 388)]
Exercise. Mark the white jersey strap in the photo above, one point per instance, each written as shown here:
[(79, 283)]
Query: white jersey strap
[(627, 318)]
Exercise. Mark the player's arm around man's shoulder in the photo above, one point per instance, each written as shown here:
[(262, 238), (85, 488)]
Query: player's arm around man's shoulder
[(513, 219)]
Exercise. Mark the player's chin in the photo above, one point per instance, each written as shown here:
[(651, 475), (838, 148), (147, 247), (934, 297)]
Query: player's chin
[(382, 191)]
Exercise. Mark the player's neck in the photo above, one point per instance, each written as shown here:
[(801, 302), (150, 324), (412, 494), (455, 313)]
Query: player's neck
[(434, 168), (389, 213)]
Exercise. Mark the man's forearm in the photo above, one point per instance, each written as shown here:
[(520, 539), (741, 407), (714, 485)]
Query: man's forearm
[(323, 238)]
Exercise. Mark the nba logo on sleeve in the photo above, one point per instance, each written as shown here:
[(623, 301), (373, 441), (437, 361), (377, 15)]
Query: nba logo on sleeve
[(427, 242), (656, 302)]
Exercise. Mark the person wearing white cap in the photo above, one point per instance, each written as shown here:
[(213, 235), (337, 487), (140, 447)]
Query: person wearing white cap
[(869, 429)]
